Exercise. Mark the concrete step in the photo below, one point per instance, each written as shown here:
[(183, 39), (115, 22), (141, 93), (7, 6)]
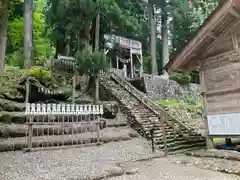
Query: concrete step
[(179, 145), (107, 135)]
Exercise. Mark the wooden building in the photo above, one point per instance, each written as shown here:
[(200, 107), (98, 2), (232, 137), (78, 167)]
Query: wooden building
[(129, 60), (214, 52)]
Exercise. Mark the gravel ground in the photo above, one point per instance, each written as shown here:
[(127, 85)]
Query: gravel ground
[(95, 162), (81, 163), (162, 169), (215, 164)]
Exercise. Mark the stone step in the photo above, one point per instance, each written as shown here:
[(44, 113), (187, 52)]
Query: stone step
[(178, 141), (147, 119), (20, 130), (186, 147), (107, 135), (178, 145)]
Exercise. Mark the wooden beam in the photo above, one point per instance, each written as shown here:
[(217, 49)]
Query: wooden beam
[(199, 37), (235, 13), (191, 66), (213, 45), (234, 40), (212, 35), (209, 140)]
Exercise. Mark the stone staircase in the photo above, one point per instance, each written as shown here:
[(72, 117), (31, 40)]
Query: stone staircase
[(143, 116)]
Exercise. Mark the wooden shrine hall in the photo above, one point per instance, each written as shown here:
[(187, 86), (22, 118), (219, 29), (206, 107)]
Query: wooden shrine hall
[(128, 56), (215, 53)]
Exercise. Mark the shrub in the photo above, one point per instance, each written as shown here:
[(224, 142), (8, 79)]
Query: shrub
[(39, 73), (15, 58), (180, 78), (90, 63)]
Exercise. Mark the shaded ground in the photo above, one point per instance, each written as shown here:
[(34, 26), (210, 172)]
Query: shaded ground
[(163, 169), (112, 159)]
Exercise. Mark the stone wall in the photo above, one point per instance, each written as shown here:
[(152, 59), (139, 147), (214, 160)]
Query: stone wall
[(159, 87)]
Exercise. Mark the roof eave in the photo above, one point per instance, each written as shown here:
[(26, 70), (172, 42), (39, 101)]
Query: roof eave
[(181, 56)]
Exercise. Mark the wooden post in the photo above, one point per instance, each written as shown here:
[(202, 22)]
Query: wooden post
[(98, 131), (131, 64), (27, 84), (164, 137), (97, 88), (74, 87), (209, 140), (30, 133), (141, 68), (117, 62)]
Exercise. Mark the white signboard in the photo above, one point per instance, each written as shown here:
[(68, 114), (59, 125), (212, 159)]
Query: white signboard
[(129, 43), (125, 42), (224, 124)]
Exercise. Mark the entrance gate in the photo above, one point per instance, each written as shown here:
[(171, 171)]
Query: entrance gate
[(53, 126)]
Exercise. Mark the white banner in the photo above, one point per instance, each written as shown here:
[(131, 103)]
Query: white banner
[(224, 124)]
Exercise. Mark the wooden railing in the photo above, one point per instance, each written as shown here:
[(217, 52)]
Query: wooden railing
[(160, 112)]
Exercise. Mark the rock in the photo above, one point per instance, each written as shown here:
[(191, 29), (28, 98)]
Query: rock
[(178, 162), (12, 117), (4, 132), (196, 163), (110, 109), (11, 106), (131, 171), (6, 118)]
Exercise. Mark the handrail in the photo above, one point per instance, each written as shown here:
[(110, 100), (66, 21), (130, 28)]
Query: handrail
[(146, 101)]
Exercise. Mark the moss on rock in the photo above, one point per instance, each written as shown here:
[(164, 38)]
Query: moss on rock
[(9, 83)]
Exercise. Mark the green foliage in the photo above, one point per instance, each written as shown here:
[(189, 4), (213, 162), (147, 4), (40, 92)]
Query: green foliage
[(180, 78), (192, 107), (16, 37), (147, 64), (16, 32), (90, 63), (39, 73), (42, 44), (15, 58), (187, 17)]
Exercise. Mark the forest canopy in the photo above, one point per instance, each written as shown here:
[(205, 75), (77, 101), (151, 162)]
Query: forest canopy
[(67, 27)]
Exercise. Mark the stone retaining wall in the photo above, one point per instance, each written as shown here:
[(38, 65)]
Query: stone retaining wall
[(159, 87)]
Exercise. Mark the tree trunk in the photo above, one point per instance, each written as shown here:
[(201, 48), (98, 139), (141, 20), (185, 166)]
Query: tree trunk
[(152, 24), (28, 29), (3, 34), (97, 29), (67, 48), (97, 32), (165, 49)]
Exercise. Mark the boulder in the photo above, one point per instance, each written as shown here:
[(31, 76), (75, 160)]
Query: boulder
[(11, 106), (110, 109), (12, 117)]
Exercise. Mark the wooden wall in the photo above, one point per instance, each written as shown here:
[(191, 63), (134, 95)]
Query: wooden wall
[(222, 81)]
